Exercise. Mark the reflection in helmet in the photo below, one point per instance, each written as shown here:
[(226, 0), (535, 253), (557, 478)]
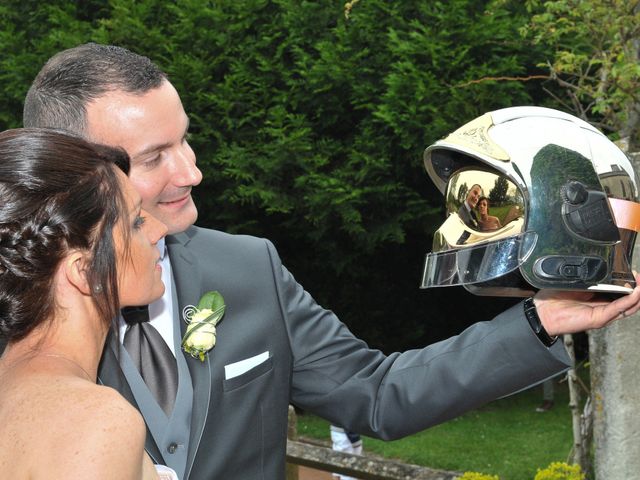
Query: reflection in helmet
[(529, 191)]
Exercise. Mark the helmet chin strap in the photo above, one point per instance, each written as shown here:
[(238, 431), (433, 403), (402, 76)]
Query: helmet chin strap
[(626, 213)]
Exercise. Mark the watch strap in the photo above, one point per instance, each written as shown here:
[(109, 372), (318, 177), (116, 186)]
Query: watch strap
[(536, 325)]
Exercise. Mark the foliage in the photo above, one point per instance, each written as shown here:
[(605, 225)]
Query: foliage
[(30, 32), (594, 57), (498, 194), (506, 438), (309, 123), (477, 476), (462, 192), (560, 471), (319, 124)]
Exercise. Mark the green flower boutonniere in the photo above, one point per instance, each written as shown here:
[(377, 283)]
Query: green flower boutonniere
[(202, 320)]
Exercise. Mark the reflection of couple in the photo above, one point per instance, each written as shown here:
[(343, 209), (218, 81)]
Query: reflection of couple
[(276, 345), (474, 212)]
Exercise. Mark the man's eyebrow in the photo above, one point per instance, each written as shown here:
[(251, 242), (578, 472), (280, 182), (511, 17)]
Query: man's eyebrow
[(161, 146), (152, 149)]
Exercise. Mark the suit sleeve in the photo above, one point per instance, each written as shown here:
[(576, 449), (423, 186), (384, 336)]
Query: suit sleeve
[(336, 376)]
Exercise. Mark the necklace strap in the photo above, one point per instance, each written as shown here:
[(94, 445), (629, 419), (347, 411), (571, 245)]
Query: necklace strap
[(63, 357)]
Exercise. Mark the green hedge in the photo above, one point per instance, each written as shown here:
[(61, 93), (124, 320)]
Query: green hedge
[(310, 126)]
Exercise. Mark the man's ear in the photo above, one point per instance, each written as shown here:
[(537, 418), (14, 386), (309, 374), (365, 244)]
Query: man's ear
[(75, 269)]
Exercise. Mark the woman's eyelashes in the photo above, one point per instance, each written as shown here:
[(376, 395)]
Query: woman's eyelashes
[(138, 222)]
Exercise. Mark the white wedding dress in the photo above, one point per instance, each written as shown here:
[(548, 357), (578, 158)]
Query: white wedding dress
[(166, 473)]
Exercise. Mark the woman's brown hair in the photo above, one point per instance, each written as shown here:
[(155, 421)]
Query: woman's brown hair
[(57, 193)]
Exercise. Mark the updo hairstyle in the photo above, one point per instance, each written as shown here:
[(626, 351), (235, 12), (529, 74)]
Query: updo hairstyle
[(58, 193)]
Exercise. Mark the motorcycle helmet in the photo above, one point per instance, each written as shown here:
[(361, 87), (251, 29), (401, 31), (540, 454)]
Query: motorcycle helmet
[(535, 198)]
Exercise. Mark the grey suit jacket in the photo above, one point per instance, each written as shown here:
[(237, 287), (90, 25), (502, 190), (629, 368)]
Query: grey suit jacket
[(468, 216), (239, 425)]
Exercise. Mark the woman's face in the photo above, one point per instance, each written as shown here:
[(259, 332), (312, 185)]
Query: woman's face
[(139, 271), (482, 206)]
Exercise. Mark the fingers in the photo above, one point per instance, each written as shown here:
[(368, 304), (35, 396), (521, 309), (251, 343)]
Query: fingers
[(622, 307), (570, 311), (580, 296)]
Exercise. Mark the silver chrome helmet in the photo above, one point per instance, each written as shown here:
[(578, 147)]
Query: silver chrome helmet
[(535, 198)]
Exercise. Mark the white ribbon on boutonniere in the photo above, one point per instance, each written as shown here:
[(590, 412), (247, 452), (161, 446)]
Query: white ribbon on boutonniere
[(201, 320)]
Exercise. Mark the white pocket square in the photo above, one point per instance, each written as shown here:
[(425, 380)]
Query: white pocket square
[(238, 368)]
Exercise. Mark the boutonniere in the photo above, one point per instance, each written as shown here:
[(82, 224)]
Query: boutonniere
[(201, 324)]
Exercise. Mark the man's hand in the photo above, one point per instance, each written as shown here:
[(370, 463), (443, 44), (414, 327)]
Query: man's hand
[(570, 312)]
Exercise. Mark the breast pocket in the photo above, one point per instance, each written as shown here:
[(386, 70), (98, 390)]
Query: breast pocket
[(249, 376)]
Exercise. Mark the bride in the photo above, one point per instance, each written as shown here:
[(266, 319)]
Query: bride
[(74, 247), (486, 222)]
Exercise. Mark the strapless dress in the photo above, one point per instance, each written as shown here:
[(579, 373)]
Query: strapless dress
[(166, 473)]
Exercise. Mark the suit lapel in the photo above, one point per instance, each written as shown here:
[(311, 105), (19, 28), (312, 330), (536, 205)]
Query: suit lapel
[(110, 374), (474, 218), (188, 280)]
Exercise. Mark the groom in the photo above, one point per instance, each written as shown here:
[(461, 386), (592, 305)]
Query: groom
[(466, 210), (275, 345)]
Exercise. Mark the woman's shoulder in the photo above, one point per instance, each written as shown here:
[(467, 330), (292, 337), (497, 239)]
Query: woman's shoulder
[(91, 392), (89, 428), (88, 409), (92, 407), (112, 433), (108, 432)]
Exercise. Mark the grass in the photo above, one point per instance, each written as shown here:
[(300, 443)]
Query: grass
[(505, 438)]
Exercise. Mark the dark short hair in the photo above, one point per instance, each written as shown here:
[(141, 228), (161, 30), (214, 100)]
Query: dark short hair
[(57, 193), (72, 78), (472, 187)]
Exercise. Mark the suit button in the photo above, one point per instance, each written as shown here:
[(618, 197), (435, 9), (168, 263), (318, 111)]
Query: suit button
[(172, 447)]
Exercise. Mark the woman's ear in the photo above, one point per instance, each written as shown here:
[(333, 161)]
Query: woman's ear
[(75, 270)]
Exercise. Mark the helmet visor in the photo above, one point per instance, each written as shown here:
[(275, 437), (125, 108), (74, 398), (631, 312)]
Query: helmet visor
[(478, 263), (483, 237)]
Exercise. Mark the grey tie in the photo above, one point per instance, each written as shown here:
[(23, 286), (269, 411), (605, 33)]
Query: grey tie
[(151, 356)]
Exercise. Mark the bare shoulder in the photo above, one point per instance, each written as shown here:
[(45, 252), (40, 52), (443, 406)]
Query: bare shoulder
[(86, 404), (107, 402), (56, 426), (99, 433), (106, 411)]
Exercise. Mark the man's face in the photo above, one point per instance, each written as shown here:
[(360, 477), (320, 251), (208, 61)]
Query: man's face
[(152, 128), (474, 194)]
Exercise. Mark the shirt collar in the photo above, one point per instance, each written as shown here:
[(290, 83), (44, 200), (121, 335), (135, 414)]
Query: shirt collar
[(162, 248)]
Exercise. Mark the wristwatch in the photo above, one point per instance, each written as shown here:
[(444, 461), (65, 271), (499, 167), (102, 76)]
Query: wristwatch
[(534, 320)]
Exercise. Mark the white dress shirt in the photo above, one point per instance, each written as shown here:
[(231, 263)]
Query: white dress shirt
[(160, 311)]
